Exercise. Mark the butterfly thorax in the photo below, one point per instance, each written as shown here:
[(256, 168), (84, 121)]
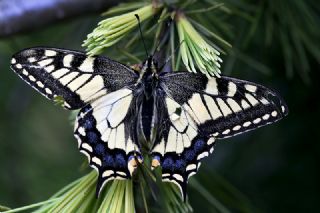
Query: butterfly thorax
[(148, 77), (148, 80)]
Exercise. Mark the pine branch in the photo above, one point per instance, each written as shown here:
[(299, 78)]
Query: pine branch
[(19, 16)]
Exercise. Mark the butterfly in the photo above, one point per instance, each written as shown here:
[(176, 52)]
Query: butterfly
[(175, 116)]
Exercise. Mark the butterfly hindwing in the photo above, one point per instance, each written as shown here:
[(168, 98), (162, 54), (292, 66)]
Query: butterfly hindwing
[(104, 133), (199, 110), (70, 75), (180, 146)]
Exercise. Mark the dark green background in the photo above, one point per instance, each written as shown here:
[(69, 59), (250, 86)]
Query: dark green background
[(275, 167)]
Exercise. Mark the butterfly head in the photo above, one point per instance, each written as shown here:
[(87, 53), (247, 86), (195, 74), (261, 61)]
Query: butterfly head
[(151, 65)]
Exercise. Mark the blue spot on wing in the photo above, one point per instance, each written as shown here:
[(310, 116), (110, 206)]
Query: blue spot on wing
[(189, 155), (180, 165), (167, 163), (108, 160), (121, 162), (92, 137), (99, 149), (199, 145), (88, 123)]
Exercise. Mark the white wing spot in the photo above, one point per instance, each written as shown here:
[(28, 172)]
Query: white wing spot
[(174, 117), (236, 128), (67, 59), (49, 69), (202, 155), (212, 87), (97, 161), (87, 147), (274, 113), (67, 78), (81, 131), (178, 177), (234, 105), (264, 101), (211, 141), (45, 62), (121, 173), (211, 149), (76, 83), (224, 108), (251, 99), (107, 173), (198, 107), (90, 88), (48, 91), (32, 59), (246, 124), (40, 84), (245, 104), (119, 111), (60, 72), (250, 88), (232, 89), (32, 78), (50, 53), (215, 134), (213, 108), (225, 132), (266, 117), (19, 66), (191, 167), (171, 142), (87, 65), (257, 120), (13, 61), (25, 72), (283, 108)]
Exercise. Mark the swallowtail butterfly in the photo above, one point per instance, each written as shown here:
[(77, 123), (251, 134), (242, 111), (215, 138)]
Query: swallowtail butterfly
[(176, 116)]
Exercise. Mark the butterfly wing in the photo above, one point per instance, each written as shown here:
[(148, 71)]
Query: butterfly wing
[(71, 75), (199, 110), (104, 132), (103, 89)]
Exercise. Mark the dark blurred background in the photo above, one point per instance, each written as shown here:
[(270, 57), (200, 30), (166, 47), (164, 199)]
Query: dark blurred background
[(273, 169)]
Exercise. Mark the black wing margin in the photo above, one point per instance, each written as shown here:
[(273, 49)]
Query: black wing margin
[(72, 75)]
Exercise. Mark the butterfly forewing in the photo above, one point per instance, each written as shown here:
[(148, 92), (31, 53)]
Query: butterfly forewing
[(73, 76), (224, 106)]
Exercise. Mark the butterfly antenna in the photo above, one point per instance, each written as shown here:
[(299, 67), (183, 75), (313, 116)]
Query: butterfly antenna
[(169, 58), (144, 44), (160, 41)]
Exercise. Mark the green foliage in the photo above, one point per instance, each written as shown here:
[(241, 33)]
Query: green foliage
[(289, 30), (194, 50)]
